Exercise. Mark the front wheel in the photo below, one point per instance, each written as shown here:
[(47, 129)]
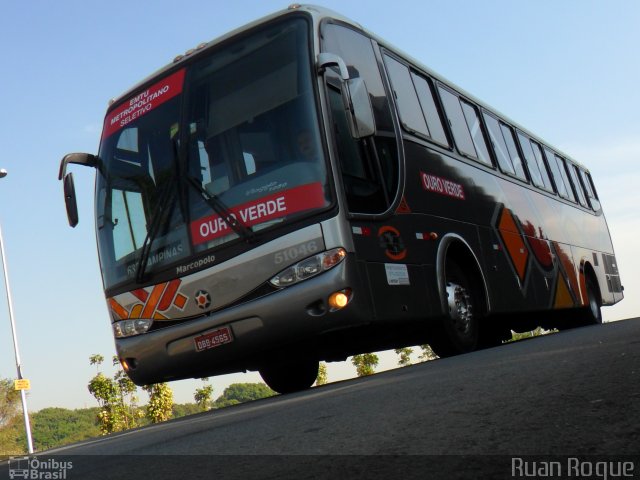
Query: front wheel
[(288, 375), (458, 331)]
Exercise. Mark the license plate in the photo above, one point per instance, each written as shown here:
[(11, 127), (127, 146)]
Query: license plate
[(213, 339)]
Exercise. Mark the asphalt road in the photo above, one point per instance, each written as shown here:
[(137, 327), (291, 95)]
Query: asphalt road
[(574, 393)]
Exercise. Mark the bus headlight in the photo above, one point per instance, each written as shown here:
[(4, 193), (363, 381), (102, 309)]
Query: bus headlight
[(309, 267), (128, 328)]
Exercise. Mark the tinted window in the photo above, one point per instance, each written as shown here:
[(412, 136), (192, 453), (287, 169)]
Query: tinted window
[(473, 122), (542, 165), (499, 145), (457, 122), (530, 158), (370, 167), (357, 51), (565, 178), (425, 94), (408, 105), (577, 185), (557, 170), (509, 139), (589, 188)]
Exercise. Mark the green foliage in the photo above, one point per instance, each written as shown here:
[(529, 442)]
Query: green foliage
[(365, 363), (116, 398), (53, 427), (242, 392), (322, 374), (427, 353), (184, 409), (10, 425), (160, 406), (533, 333), (9, 402), (405, 356), (202, 396)]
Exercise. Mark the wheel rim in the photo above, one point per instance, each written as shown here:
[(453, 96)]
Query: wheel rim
[(460, 308)]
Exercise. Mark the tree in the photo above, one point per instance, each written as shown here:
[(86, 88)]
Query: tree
[(9, 402), (184, 409), (116, 398), (427, 353), (160, 406), (10, 426), (54, 427), (242, 392), (365, 363), (405, 356), (203, 395), (322, 374)]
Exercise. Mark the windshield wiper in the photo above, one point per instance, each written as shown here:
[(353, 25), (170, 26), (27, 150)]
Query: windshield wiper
[(225, 213), (157, 221)]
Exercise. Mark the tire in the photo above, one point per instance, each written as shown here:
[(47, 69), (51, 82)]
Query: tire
[(591, 314), (290, 375), (458, 331)]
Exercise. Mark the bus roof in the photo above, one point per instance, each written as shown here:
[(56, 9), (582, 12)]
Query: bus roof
[(318, 14)]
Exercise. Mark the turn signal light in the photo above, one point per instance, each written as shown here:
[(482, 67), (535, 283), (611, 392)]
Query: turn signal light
[(340, 299)]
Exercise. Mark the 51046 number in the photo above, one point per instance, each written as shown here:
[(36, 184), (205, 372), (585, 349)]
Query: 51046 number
[(296, 252)]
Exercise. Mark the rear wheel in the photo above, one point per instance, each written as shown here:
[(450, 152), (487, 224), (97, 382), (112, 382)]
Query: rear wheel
[(458, 331), (289, 374), (591, 314)]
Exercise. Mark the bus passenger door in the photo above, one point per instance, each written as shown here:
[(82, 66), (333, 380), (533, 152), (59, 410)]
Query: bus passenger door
[(371, 173)]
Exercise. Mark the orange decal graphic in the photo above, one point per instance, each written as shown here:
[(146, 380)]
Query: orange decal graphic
[(566, 261), (513, 242), (154, 300), (563, 295)]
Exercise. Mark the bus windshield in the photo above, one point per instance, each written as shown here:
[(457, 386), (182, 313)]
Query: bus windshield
[(215, 152)]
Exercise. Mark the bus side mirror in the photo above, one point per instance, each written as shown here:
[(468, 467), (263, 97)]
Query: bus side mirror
[(71, 204), (360, 111), (70, 200), (355, 97)]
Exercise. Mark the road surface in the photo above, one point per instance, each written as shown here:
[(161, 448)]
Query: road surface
[(574, 393)]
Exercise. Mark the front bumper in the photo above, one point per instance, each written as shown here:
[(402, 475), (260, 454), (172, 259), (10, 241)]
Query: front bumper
[(284, 318)]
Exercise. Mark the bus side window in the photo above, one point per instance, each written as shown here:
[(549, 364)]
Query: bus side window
[(457, 122), (404, 92), (458, 125), (590, 189), (477, 134), (530, 158), (532, 164), (432, 115), (499, 145), (510, 141), (576, 184), (544, 169), (555, 173), (562, 166)]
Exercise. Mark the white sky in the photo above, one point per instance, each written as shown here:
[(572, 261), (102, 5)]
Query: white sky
[(567, 71)]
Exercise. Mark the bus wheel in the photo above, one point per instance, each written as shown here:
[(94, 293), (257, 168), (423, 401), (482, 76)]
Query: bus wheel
[(458, 331), (291, 375), (591, 314)]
